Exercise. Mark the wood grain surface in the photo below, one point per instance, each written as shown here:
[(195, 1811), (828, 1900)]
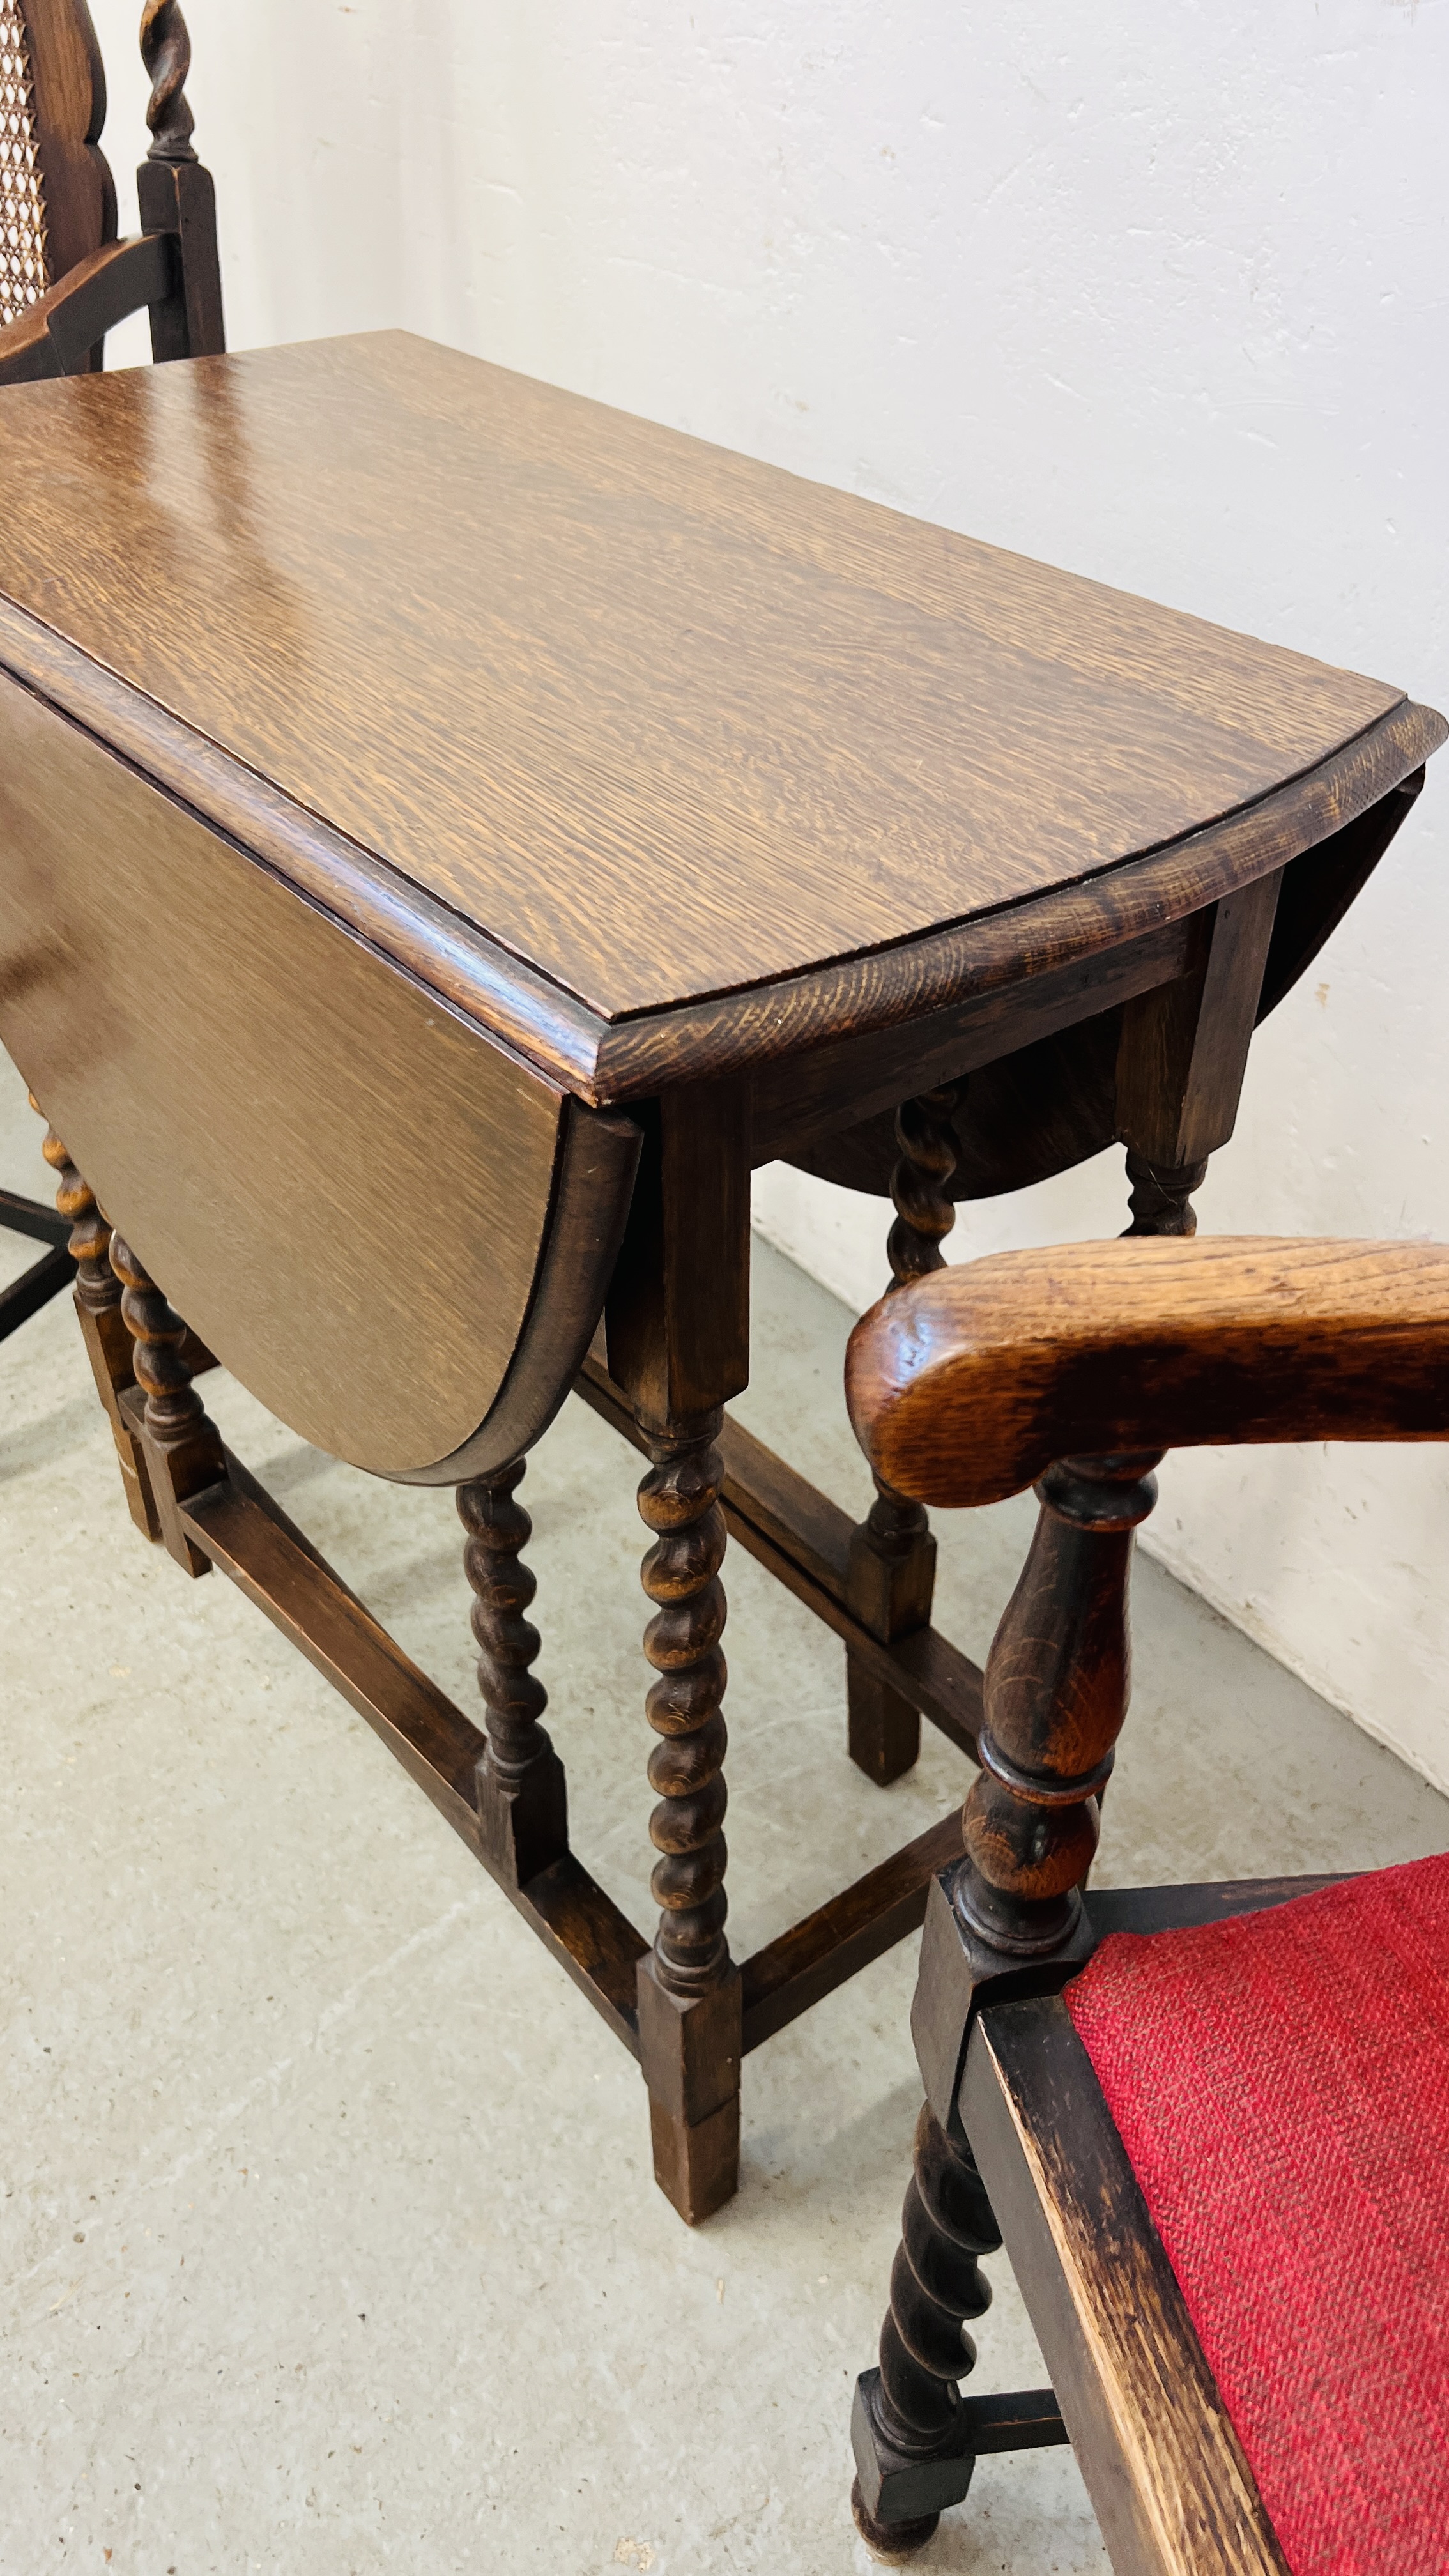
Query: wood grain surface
[(964, 1388), (1162, 2463), (344, 1189), (1052, 1101), (662, 722), (978, 962)]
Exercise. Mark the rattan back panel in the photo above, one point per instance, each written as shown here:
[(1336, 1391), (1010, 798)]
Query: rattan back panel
[(24, 273)]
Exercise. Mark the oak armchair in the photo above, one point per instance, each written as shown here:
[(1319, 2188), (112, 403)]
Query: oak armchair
[(65, 281), (1195, 2116)]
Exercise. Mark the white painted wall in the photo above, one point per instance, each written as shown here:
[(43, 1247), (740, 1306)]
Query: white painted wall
[(1156, 293)]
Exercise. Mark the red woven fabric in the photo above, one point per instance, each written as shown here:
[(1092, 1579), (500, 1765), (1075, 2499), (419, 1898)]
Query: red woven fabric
[(1281, 2085)]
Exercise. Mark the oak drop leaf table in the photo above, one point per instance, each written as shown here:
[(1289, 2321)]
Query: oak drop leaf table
[(449, 833)]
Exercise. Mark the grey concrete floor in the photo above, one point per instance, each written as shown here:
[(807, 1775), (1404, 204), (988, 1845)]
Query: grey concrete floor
[(330, 2243)]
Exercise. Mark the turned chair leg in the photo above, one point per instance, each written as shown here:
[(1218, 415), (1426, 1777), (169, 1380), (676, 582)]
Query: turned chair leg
[(892, 1572), (522, 1800), (1055, 1696), (181, 1444), (689, 1988), (911, 2443), (98, 1306)]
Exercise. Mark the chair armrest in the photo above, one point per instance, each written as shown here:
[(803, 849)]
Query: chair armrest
[(963, 1388), (54, 335)]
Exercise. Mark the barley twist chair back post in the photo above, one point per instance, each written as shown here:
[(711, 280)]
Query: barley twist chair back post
[(1073, 1370), (65, 279)]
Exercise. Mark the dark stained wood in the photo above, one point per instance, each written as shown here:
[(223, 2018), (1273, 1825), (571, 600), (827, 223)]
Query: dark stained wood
[(401, 765), (178, 200), (156, 984), (109, 1346), (677, 1330), (69, 85), (598, 1159), (883, 1725), (92, 281), (689, 2051), (677, 1322), (911, 2444), (245, 1533), (1178, 1048), (181, 1444), (1011, 2096), (679, 1503), (520, 1792), (964, 1391), (1183, 1049), (1318, 889), (804, 1540), (1051, 1102), (176, 196), (19, 1215), (840, 1938), (34, 1288), (1050, 1080), (57, 333), (87, 1236), (944, 1683), (764, 1495), (1057, 1681), (166, 53), (930, 729), (892, 1573), (920, 1185), (689, 1989), (1028, 2419), (1161, 1196), (24, 266), (593, 1942), (1164, 2468), (1171, 1909), (1010, 1911)]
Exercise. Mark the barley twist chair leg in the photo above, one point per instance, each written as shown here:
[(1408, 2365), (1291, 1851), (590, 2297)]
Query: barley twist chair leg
[(912, 2443)]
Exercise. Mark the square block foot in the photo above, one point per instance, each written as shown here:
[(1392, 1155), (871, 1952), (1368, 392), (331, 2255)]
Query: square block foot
[(894, 2487), (697, 2166)]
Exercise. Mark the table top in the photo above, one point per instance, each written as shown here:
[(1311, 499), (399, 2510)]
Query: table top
[(644, 722)]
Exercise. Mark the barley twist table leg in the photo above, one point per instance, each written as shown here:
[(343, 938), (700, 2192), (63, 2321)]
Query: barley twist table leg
[(893, 1555), (521, 1794), (98, 1305), (182, 1445), (689, 1997)]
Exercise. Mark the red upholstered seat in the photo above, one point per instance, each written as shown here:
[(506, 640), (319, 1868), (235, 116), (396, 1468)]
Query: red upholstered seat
[(1281, 2085)]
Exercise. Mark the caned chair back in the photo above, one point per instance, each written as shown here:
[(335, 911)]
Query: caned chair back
[(65, 280), (57, 197)]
